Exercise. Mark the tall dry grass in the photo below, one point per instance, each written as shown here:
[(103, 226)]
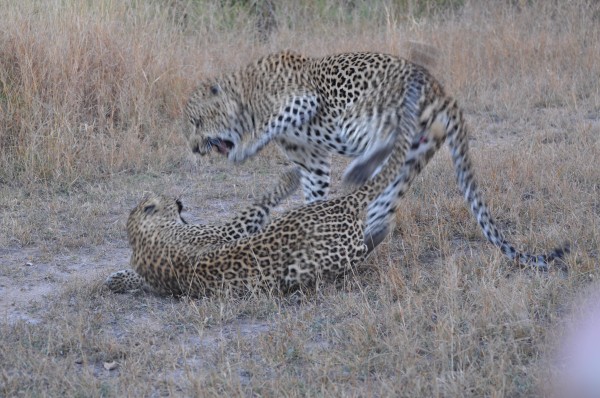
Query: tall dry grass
[(96, 88), (89, 88)]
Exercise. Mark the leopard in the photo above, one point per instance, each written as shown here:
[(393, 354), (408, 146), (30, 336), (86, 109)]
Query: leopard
[(349, 104), (305, 247), (250, 220)]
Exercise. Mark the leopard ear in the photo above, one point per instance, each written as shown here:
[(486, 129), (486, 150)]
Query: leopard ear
[(179, 205), (196, 122)]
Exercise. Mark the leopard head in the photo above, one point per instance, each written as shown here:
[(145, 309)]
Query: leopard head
[(215, 116), (152, 211)]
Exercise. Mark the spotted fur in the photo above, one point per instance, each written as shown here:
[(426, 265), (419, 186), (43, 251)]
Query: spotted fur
[(316, 242), (250, 221), (350, 104)]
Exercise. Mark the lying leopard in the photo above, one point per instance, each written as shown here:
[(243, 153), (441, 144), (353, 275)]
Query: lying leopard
[(250, 221), (316, 242), (350, 104)]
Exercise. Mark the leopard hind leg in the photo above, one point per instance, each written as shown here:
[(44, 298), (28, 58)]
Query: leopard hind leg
[(381, 212)]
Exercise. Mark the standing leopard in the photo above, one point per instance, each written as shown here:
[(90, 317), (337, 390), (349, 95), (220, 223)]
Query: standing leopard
[(250, 221), (316, 242), (350, 104)]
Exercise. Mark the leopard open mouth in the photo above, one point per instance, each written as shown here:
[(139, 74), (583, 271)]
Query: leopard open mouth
[(222, 146)]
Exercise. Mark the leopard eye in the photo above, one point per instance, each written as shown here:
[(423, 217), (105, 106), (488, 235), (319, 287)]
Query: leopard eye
[(215, 89), (149, 209)]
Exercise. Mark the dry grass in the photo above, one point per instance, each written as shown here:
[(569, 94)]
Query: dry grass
[(90, 101)]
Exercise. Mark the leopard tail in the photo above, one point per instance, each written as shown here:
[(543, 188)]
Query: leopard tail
[(457, 138)]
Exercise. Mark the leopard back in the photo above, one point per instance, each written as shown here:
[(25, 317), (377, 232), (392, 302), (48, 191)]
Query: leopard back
[(354, 104)]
